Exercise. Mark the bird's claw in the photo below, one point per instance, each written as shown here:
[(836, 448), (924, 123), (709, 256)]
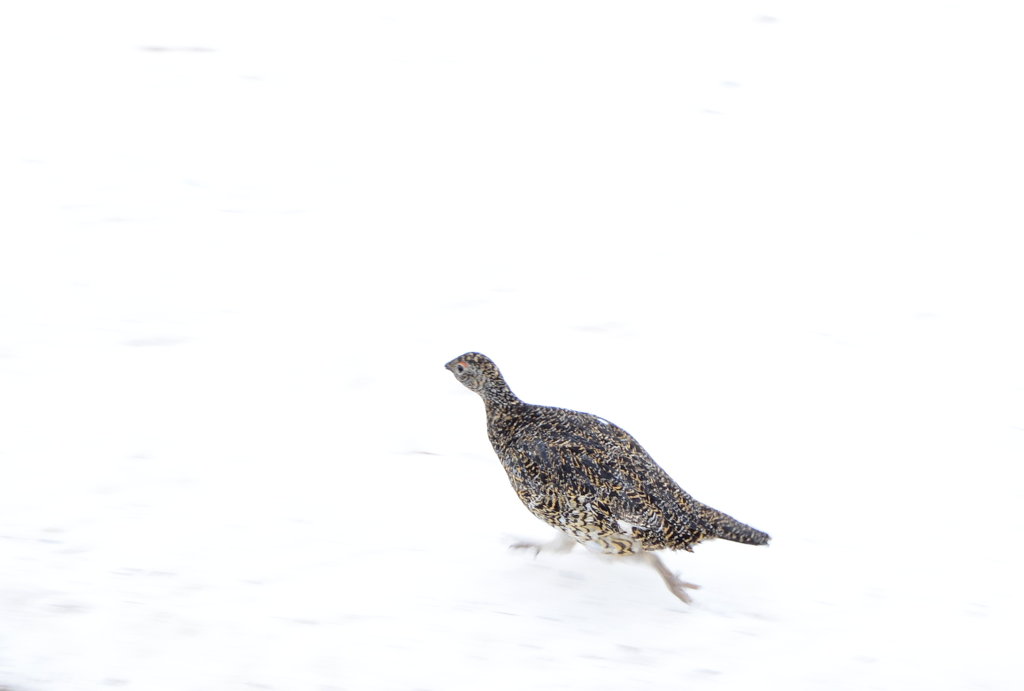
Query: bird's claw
[(561, 544), (678, 588), (527, 545)]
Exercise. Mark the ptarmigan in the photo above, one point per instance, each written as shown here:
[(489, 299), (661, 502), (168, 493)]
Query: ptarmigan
[(592, 480)]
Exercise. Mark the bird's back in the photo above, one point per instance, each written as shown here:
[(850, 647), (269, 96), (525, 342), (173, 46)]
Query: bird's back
[(588, 476)]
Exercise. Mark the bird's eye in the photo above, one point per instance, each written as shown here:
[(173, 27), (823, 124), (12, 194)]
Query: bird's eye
[(460, 368)]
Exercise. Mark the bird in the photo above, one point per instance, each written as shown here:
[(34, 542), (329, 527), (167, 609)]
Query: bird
[(592, 481)]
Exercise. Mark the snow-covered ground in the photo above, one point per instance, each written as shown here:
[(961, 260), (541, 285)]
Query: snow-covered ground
[(778, 241)]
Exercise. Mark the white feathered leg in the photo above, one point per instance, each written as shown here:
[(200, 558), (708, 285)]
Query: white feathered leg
[(562, 543), (677, 586)]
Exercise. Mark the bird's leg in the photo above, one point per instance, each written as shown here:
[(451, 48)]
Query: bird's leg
[(563, 542), (677, 586)]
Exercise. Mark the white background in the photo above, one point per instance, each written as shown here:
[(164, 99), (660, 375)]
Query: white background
[(777, 241)]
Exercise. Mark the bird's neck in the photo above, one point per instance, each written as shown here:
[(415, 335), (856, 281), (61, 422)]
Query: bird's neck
[(503, 415), (498, 396)]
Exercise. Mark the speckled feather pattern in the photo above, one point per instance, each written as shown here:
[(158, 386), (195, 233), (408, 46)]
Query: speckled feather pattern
[(589, 477)]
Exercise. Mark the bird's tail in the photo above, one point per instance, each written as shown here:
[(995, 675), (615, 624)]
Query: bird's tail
[(728, 528)]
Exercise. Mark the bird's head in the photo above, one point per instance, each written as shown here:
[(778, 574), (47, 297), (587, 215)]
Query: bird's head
[(477, 372)]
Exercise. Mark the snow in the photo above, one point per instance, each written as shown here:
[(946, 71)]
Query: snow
[(777, 241)]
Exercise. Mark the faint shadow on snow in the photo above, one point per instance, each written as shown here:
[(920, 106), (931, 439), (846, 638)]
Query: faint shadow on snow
[(177, 49), (154, 341)]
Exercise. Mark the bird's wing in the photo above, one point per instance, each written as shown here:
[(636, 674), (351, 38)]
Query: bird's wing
[(595, 457)]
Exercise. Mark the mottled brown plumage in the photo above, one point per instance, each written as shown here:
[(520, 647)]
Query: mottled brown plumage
[(592, 480)]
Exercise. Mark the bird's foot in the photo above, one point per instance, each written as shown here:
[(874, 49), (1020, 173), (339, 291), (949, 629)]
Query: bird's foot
[(675, 585), (678, 588), (561, 544)]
